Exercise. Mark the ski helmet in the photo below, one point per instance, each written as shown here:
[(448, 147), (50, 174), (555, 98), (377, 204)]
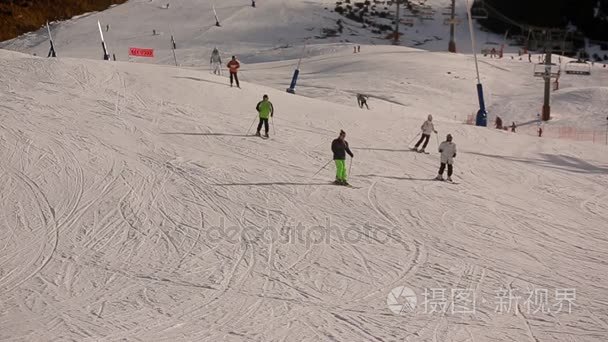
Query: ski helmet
[(448, 137), (430, 117)]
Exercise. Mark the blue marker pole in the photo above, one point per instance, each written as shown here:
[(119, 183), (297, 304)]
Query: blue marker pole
[(296, 74), (482, 115), (294, 80)]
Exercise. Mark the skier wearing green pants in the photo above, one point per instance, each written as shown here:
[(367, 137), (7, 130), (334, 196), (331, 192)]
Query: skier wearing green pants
[(340, 148)]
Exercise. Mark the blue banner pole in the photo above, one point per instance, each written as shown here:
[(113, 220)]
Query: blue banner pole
[(482, 115), (294, 80)]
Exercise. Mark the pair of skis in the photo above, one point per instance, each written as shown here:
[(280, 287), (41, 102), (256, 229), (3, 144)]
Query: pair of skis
[(445, 181), (414, 149)]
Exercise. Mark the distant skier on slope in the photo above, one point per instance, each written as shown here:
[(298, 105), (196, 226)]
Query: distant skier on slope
[(340, 148), (362, 101), (448, 153), (264, 109), (427, 129), (498, 122), (234, 66), (216, 61)]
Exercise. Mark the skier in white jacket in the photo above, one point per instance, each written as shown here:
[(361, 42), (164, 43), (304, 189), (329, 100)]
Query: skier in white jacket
[(427, 129), (448, 153), (216, 61)]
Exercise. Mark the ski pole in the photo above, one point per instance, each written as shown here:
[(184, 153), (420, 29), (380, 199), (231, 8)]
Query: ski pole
[(252, 123), (411, 141), (350, 166), (437, 138), (274, 131), (321, 169)]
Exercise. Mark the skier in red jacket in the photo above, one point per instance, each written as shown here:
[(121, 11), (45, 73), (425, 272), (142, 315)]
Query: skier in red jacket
[(234, 66)]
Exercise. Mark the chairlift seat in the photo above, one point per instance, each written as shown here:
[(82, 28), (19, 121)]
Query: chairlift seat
[(541, 69), (578, 68), (479, 13)]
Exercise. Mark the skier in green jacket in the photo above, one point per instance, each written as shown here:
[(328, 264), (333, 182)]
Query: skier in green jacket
[(264, 109)]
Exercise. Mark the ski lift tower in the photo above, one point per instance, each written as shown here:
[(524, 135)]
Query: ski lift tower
[(550, 44), (397, 14), (482, 115), (452, 22)]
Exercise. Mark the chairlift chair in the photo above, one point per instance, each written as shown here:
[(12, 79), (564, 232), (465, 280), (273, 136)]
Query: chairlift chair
[(407, 21), (479, 12), (450, 21), (488, 46), (580, 68), (541, 70), (427, 14)]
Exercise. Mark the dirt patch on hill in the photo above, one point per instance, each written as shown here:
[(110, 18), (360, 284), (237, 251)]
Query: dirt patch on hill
[(21, 16)]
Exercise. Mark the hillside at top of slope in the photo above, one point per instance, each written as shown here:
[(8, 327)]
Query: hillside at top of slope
[(272, 24)]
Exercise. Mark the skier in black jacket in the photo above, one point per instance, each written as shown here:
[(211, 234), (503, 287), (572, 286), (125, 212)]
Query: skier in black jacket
[(340, 148)]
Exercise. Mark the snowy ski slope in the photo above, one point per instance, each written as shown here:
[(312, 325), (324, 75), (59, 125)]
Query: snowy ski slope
[(134, 206), (115, 174)]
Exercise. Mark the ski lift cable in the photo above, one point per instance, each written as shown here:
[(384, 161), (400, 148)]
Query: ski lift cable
[(524, 27)]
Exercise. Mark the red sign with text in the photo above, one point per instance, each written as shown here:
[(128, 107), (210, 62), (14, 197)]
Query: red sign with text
[(137, 52)]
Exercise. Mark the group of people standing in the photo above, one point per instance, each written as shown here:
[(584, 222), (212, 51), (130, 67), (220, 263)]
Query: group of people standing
[(499, 125), (233, 67)]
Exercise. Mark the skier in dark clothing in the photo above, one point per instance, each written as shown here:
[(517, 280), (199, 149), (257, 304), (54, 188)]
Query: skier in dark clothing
[(362, 101), (498, 122), (340, 148)]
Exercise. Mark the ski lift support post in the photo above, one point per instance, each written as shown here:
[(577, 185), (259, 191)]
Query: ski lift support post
[(482, 115)]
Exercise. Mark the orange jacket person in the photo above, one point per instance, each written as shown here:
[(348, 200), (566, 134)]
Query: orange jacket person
[(234, 66)]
